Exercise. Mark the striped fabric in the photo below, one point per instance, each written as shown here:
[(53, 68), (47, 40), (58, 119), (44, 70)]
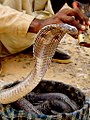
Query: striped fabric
[(8, 113)]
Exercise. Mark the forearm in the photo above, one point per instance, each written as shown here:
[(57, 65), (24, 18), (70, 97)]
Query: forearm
[(62, 16), (35, 26), (13, 21)]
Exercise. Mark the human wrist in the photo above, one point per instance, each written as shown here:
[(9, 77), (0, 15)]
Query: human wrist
[(35, 26)]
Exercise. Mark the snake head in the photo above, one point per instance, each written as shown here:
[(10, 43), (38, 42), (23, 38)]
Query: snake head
[(69, 29)]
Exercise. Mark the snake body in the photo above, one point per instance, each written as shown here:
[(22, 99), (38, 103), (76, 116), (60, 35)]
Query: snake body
[(54, 107), (35, 98), (25, 105), (45, 103), (46, 42)]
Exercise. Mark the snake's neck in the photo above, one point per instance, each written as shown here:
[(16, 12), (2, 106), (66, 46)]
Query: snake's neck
[(16, 92)]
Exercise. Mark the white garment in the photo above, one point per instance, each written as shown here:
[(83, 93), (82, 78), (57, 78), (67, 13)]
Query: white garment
[(15, 19)]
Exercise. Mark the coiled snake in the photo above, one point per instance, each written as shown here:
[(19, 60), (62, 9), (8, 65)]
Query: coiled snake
[(46, 42)]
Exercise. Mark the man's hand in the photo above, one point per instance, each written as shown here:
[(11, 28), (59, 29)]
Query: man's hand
[(73, 17), (70, 16)]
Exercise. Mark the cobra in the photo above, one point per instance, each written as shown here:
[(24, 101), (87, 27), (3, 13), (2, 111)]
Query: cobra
[(46, 42)]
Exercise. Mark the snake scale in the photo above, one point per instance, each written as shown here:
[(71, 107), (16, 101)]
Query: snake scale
[(46, 42)]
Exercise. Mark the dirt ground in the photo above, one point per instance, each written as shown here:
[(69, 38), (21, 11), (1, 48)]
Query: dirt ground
[(76, 73)]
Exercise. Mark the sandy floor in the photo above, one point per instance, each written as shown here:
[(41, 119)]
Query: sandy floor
[(76, 73)]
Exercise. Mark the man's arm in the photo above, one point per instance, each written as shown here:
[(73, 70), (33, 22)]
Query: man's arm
[(62, 16), (20, 23), (13, 21)]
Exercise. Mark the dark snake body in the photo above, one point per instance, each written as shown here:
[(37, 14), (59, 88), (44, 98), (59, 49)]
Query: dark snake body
[(54, 107), (33, 98), (46, 103)]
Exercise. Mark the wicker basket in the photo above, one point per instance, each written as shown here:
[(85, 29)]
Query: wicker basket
[(8, 113)]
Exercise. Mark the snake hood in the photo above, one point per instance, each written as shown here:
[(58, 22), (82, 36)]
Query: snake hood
[(46, 42), (70, 30)]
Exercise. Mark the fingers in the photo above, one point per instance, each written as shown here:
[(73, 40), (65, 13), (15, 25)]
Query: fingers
[(78, 15), (71, 20), (81, 20)]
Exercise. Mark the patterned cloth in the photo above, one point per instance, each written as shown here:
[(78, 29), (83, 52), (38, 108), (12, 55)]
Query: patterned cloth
[(8, 113)]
